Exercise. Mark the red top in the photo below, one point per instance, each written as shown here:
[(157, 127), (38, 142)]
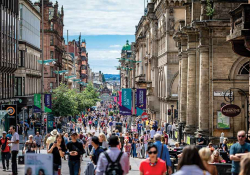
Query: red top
[(166, 137), (7, 148), (158, 169)]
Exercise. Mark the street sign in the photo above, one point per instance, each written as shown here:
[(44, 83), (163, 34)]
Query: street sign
[(144, 116), (231, 110)]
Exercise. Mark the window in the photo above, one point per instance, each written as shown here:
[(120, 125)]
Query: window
[(244, 70), (51, 40), (51, 71), (51, 55), (51, 86), (21, 58), (51, 26), (18, 86)]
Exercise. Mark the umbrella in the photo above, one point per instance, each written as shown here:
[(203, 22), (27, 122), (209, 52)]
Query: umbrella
[(25, 124)]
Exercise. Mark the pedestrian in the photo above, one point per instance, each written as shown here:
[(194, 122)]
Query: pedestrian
[(159, 131), (134, 141), (110, 125), (169, 130), (163, 152), (152, 133), (89, 141), (71, 126), (138, 149), (121, 138), (173, 130), (75, 151), (90, 124), (96, 151), (59, 127), (26, 131), (30, 145), (113, 161), (165, 137), (96, 124), (200, 140), (155, 127), (103, 141), (244, 165), (5, 151), (38, 140), (224, 146), (58, 150), (14, 148), (191, 163), (145, 138), (139, 127), (237, 151), (205, 154), (153, 164), (51, 138), (45, 140)]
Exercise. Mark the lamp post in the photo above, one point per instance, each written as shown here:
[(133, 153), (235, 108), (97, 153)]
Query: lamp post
[(42, 80), (172, 114)]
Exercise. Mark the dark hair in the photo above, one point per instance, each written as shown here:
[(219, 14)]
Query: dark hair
[(152, 146), (13, 127), (41, 171), (95, 139), (62, 143), (191, 157), (113, 141)]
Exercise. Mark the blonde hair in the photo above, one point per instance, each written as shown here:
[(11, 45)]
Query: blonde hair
[(176, 144), (244, 165), (205, 154), (104, 137)]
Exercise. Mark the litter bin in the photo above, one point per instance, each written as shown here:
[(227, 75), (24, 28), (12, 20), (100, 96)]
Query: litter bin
[(118, 126)]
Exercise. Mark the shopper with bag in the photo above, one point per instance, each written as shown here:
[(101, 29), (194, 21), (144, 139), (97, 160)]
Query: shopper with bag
[(5, 151)]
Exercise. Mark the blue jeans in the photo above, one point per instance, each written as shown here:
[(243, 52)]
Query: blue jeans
[(74, 167)]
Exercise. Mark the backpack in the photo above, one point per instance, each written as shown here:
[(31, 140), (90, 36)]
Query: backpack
[(113, 168)]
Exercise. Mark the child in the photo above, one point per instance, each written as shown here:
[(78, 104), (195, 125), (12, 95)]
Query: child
[(138, 149)]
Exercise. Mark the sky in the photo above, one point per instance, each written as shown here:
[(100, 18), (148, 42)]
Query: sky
[(105, 24)]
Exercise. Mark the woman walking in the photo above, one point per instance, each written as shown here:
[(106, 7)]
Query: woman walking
[(58, 150)]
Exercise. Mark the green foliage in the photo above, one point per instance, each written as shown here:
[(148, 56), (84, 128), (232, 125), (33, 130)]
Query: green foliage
[(111, 113), (68, 102), (210, 10)]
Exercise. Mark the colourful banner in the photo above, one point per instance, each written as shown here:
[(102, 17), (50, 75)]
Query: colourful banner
[(37, 103), (141, 100), (125, 109), (120, 98), (47, 102), (115, 99)]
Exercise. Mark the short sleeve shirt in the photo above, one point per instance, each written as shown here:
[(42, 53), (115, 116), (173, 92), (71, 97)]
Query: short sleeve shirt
[(158, 169), (236, 149), (38, 139), (15, 146)]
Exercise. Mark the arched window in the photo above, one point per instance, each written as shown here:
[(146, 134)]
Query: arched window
[(244, 70)]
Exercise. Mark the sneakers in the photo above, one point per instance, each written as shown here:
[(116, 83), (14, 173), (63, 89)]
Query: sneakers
[(4, 169)]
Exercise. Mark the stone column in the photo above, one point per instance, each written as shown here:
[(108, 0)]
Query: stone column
[(204, 82), (183, 79), (191, 81)]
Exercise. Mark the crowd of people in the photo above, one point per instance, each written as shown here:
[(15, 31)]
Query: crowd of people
[(96, 135)]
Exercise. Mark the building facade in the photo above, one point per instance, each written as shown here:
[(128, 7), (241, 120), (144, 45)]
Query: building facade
[(53, 43), (9, 17), (83, 62), (28, 75)]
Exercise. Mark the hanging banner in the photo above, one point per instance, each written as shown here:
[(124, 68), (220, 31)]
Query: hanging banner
[(120, 98), (37, 103), (125, 109), (115, 99), (141, 101), (47, 102)]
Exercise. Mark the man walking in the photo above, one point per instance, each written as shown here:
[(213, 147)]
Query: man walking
[(237, 151), (38, 140), (5, 151), (169, 130), (14, 148), (139, 127), (75, 151), (113, 156), (163, 152), (145, 138)]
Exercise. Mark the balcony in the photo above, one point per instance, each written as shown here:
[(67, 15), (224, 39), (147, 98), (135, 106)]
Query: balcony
[(240, 30), (140, 79)]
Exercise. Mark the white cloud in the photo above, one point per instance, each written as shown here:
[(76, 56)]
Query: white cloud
[(115, 46), (101, 17)]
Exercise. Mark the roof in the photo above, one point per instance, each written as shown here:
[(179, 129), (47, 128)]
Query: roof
[(127, 46)]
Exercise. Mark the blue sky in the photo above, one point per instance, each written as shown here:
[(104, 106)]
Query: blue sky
[(103, 51), (105, 24)]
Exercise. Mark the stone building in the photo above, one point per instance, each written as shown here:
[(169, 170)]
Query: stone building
[(157, 66), (8, 49), (208, 68), (53, 42), (83, 62), (28, 75)]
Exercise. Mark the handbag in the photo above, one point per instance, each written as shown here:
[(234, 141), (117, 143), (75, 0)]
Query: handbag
[(21, 160)]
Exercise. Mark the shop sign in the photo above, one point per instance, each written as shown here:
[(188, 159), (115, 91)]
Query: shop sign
[(222, 94), (231, 110)]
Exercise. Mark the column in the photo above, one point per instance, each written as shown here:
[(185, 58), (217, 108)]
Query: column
[(183, 93), (191, 81), (204, 82)]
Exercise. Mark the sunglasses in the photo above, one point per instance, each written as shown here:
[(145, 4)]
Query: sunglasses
[(152, 152), (242, 136)]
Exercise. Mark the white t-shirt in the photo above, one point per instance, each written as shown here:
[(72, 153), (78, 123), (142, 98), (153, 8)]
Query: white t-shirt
[(152, 133), (15, 146)]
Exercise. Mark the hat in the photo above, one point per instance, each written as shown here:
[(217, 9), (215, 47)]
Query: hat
[(73, 133), (54, 132), (4, 132)]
